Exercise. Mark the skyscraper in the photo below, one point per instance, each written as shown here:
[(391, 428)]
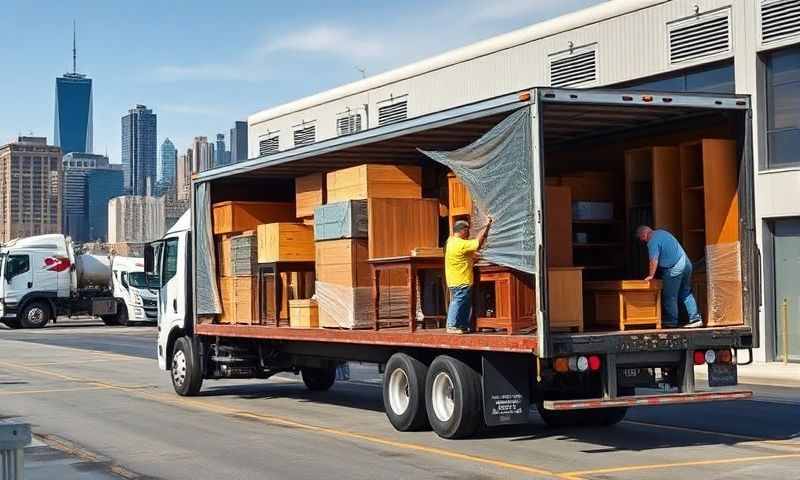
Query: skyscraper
[(77, 166), (139, 150), (203, 154), (184, 175), (73, 113), (238, 141), (219, 151), (169, 162), (102, 184), (30, 188)]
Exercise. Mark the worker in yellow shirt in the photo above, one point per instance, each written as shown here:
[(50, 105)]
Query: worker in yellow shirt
[(459, 257)]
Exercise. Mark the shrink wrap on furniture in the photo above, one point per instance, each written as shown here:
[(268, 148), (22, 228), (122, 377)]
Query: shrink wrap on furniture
[(724, 270)]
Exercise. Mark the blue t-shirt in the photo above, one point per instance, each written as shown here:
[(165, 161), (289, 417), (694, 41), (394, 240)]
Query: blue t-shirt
[(664, 247)]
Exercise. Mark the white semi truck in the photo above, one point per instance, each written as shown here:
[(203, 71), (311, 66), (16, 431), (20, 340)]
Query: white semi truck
[(42, 278)]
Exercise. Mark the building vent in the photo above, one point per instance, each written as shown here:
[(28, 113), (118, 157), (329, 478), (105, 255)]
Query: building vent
[(348, 123), (574, 67), (393, 110), (267, 146), (304, 135), (699, 36), (780, 19)]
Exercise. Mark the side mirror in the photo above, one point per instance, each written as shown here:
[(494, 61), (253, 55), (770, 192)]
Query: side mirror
[(149, 259)]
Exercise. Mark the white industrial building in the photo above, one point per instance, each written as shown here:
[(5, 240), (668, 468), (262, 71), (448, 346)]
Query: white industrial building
[(722, 46)]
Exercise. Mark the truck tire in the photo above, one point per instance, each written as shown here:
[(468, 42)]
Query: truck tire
[(404, 393), (318, 379), (12, 323), (109, 320), (453, 397), (122, 316), (35, 314), (186, 373)]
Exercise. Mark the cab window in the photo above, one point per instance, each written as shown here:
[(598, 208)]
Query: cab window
[(170, 260), (17, 264)]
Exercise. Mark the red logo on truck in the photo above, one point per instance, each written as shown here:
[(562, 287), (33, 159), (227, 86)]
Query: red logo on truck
[(56, 264)]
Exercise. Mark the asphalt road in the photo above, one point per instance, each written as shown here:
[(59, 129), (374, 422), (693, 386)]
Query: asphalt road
[(96, 393)]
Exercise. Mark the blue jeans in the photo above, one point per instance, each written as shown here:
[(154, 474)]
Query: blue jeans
[(677, 282), (460, 309)]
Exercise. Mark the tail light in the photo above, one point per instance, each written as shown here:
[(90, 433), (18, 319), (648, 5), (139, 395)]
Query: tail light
[(577, 363), (724, 356), (594, 363), (561, 365), (710, 356), (699, 357)]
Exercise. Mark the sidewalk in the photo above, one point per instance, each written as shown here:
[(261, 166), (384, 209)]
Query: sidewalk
[(762, 373)]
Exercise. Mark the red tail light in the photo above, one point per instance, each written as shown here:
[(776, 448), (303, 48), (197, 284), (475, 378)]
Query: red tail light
[(699, 357), (724, 356), (594, 363)]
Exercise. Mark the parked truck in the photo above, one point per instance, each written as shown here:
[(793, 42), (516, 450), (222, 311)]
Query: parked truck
[(43, 277), (456, 383)]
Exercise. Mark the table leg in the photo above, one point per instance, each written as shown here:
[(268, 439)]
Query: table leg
[(412, 297), (376, 295)]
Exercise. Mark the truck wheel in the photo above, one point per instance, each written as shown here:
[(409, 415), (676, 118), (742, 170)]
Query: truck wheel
[(404, 393), (187, 377), (35, 315), (318, 379), (122, 315), (109, 320), (453, 397), (12, 323)]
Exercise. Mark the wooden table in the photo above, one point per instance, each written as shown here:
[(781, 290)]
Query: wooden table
[(412, 265), (514, 305), (626, 303), (273, 294)]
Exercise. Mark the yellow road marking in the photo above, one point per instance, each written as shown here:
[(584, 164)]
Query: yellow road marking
[(79, 362), (216, 408), (51, 390), (632, 468)]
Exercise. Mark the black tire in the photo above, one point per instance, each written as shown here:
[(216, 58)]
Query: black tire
[(451, 380), (109, 320), (404, 393), (12, 323), (318, 379), (185, 368), (122, 315), (35, 314)]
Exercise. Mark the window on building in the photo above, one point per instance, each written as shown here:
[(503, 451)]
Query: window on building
[(783, 107), (716, 78)]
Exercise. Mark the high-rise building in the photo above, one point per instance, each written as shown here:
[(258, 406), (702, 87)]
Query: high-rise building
[(238, 141), (219, 151), (203, 154), (76, 166), (73, 113), (30, 188), (135, 219), (168, 164), (102, 184), (183, 181), (139, 150)]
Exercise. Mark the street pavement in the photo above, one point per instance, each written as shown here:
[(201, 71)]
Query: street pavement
[(100, 408)]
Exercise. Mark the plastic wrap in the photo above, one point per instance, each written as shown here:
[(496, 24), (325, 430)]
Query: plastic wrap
[(724, 270), (208, 300), (497, 169), (343, 307)]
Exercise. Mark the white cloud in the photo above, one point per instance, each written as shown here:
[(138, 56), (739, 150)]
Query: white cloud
[(328, 39)]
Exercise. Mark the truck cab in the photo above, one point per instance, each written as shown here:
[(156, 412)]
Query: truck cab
[(131, 287)]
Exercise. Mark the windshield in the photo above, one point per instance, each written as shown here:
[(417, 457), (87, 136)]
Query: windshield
[(140, 279)]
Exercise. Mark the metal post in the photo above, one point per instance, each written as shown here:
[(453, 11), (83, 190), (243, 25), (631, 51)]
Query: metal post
[(13, 439), (785, 321)]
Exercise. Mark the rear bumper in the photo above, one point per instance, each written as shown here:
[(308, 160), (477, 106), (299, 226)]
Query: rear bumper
[(648, 400)]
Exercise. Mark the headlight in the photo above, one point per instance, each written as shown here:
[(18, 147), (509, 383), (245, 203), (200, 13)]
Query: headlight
[(137, 299)]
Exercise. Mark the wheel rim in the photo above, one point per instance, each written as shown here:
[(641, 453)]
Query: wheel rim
[(442, 396), (399, 395), (35, 315), (179, 368)]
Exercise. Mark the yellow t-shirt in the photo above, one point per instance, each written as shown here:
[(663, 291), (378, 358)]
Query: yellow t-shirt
[(458, 258)]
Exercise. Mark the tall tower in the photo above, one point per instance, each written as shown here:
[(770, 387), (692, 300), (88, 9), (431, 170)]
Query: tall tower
[(168, 164), (219, 151), (73, 113), (238, 141), (139, 146)]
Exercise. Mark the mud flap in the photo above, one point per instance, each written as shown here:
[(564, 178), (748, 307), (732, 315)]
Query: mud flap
[(506, 388)]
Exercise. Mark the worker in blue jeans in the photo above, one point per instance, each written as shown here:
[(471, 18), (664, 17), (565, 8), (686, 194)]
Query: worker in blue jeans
[(669, 259), (459, 257)]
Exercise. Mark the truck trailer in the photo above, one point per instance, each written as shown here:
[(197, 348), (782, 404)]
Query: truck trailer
[(673, 160)]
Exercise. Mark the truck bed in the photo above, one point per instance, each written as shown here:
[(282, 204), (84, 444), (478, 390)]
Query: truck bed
[(588, 342)]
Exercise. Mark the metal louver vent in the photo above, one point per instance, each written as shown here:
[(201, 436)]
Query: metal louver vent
[(574, 69), (699, 37), (268, 145), (394, 112), (305, 135), (780, 19), (347, 124)]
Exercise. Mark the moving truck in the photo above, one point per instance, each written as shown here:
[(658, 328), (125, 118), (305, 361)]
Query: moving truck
[(43, 277), (590, 348)]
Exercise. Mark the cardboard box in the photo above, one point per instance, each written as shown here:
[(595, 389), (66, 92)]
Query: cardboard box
[(397, 226), (303, 313), (339, 220), (285, 242), (374, 181), (309, 193), (234, 217)]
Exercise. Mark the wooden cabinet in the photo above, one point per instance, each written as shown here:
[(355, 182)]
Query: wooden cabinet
[(504, 300), (343, 263), (233, 217), (309, 193), (285, 242), (622, 304), (565, 295), (558, 215), (397, 226), (459, 200), (239, 300), (374, 181)]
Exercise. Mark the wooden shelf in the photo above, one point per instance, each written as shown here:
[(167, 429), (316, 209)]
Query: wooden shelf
[(598, 245), (698, 188), (696, 230)]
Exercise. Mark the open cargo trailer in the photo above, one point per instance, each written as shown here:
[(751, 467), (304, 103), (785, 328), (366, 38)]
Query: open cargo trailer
[(455, 383)]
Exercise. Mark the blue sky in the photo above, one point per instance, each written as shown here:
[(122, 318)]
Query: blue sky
[(200, 65)]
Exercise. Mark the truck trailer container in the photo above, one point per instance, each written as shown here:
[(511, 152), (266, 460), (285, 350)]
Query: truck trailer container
[(678, 161)]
